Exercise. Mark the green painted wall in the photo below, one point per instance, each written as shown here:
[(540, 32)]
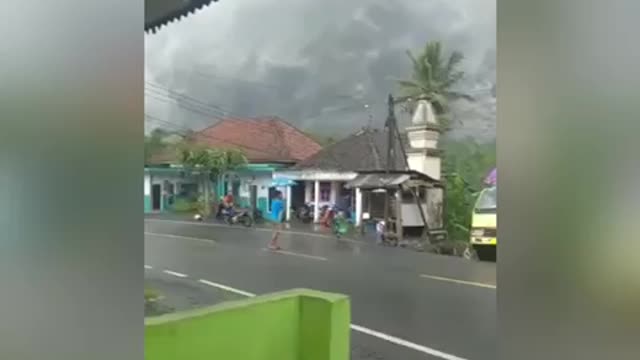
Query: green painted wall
[(262, 205), (292, 325), (147, 203)]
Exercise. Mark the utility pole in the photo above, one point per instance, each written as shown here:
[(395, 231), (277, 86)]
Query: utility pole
[(390, 124), (370, 122)]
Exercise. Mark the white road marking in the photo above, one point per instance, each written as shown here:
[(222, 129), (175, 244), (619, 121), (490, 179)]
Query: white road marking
[(180, 275), (463, 282), (291, 253), (405, 343), (227, 288), (171, 236), (148, 267), (358, 328), (213, 242), (310, 234)]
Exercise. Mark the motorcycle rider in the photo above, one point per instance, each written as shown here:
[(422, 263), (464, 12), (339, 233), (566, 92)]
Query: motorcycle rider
[(227, 203)]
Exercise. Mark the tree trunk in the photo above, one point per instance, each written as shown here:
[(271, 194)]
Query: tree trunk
[(205, 190)]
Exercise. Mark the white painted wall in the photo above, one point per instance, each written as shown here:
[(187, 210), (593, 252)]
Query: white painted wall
[(308, 191), (147, 184), (424, 164), (358, 214), (333, 195), (313, 175), (432, 210), (262, 181), (422, 139), (411, 214), (435, 201)]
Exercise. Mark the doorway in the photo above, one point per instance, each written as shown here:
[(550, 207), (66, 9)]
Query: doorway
[(156, 191), (253, 196), (297, 195)]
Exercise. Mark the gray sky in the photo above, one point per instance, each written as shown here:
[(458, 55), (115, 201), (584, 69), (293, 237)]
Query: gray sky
[(315, 63)]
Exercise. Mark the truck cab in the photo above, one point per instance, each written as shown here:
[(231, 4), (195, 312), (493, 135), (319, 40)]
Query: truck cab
[(484, 221)]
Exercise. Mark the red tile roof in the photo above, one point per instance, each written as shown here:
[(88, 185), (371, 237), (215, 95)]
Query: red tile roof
[(261, 139)]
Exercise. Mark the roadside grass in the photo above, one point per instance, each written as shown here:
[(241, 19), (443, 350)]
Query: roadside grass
[(150, 295), (153, 303)]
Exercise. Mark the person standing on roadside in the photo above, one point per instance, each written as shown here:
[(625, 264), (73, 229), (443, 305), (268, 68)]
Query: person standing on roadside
[(277, 213)]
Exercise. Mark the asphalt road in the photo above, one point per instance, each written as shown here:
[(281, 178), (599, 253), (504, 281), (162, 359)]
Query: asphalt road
[(405, 305)]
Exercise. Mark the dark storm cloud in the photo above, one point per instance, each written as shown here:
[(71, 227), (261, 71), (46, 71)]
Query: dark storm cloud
[(316, 63)]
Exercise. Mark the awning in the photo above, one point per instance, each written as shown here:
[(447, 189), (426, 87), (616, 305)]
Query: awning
[(377, 181), (279, 182), (158, 13)]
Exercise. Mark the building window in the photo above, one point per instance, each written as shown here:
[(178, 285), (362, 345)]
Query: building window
[(325, 192), (407, 195)]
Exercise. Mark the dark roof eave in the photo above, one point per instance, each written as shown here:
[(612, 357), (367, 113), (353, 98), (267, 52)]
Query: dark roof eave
[(413, 173), (176, 15)]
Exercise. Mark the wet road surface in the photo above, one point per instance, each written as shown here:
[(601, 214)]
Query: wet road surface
[(421, 306)]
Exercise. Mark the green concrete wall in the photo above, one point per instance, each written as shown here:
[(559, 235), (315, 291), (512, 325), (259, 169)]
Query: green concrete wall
[(244, 202), (263, 205), (293, 325), (147, 203)]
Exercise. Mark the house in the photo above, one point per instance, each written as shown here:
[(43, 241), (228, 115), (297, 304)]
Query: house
[(323, 175), (269, 143), (335, 172)]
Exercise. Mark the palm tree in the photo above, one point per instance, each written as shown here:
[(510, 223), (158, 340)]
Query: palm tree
[(433, 79), (208, 163)]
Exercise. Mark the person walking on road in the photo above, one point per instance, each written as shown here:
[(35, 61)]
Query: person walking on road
[(277, 213)]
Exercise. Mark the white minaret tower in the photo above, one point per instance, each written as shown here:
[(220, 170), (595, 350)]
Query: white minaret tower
[(423, 154)]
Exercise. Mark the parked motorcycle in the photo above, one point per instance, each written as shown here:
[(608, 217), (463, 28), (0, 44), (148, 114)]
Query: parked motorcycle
[(232, 216), (340, 225), (257, 216), (305, 213)]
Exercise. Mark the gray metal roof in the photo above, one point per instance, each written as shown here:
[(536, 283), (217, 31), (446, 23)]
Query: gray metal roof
[(159, 13), (377, 181), (364, 150)]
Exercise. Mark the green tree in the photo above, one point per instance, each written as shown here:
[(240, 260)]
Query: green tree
[(433, 78), (154, 143), (459, 200), (466, 165), (208, 164), (471, 160)]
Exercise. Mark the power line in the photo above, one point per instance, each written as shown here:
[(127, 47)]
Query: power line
[(188, 102), (203, 112), (183, 96), (203, 109), (360, 102), (150, 93), (342, 108)]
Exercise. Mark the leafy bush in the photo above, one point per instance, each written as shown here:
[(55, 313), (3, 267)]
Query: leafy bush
[(466, 164), (185, 205), (459, 200), (150, 295)]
